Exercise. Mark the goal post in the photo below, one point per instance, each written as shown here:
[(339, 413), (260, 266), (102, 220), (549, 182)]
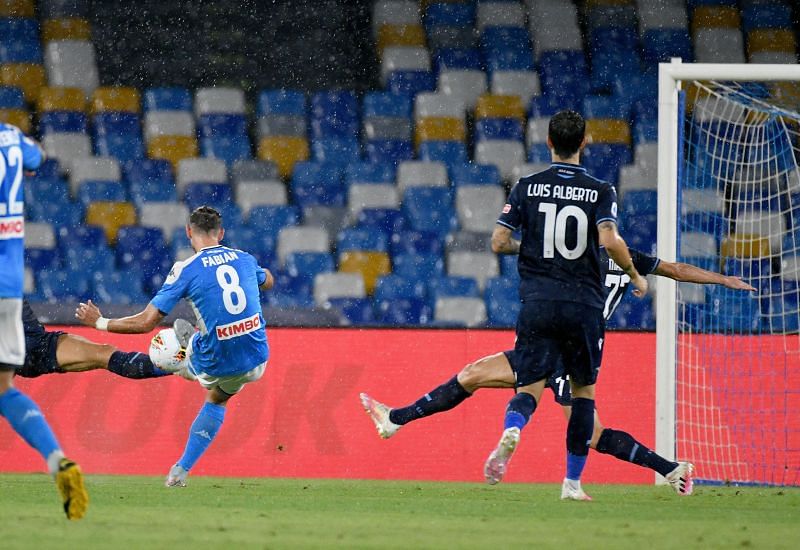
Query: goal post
[(736, 136)]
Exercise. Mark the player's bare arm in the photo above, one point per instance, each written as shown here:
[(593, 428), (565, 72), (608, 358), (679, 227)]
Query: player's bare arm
[(693, 274), (503, 242), (618, 250), (268, 282), (144, 321)]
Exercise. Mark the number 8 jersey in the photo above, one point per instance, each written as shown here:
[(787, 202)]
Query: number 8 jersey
[(557, 212), (221, 285), (17, 153)]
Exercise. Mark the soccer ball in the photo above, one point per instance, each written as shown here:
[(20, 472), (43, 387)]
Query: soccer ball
[(166, 352)]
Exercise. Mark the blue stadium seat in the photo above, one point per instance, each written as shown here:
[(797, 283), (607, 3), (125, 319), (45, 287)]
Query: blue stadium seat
[(389, 151), (151, 264), (315, 183), (22, 29), (645, 131), (151, 191), (118, 287), (334, 114), (369, 172), (42, 258), (338, 150), (502, 301), (539, 153), (289, 292), (357, 311), (63, 286), (88, 259), (605, 106), (404, 312), (386, 220), (508, 266), (386, 104), (421, 267), (11, 98), (123, 124), (639, 202), (281, 102), (762, 15), (495, 39), (499, 128), (449, 14), (509, 60), (307, 265), (659, 45), (542, 106), (361, 238), (134, 240), (221, 124), (450, 286), (271, 219), (731, 311), (122, 147), (603, 160), (39, 189), (81, 236), (636, 87), (411, 83), (395, 287), (212, 194), (59, 213), (474, 174), (93, 191), (148, 170), (640, 231), (228, 149), (260, 244), (62, 121), (430, 209), (15, 51), (416, 242), (449, 152), (754, 271), (609, 39), (633, 314), (49, 169), (167, 99), (456, 58)]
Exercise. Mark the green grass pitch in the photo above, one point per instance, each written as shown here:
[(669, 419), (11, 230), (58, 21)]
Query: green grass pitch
[(138, 512)]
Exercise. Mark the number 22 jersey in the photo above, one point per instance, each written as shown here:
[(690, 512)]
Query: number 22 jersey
[(221, 285)]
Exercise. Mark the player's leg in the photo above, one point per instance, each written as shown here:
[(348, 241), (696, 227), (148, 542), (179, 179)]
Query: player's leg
[(27, 419), (209, 420), (493, 371), (77, 354)]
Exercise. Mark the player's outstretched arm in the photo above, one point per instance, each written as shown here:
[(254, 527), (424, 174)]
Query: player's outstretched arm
[(144, 321), (503, 242), (693, 274), (268, 282), (618, 251)]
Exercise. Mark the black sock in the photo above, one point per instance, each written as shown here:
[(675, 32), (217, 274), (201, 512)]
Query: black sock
[(623, 446), (441, 399), (519, 411), (133, 364)]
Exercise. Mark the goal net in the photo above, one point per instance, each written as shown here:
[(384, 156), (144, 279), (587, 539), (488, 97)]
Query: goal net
[(734, 357)]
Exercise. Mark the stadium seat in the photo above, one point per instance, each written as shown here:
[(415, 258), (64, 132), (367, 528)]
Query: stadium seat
[(306, 266), (338, 285), (357, 311), (719, 45), (389, 151), (502, 302), (222, 125), (123, 148), (272, 219), (83, 236), (474, 174), (763, 15), (386, 220), (41, 259), (227, 149), (315, 183), (376, 127), (526, 169), (40, 235), (301, 239), (479, 206), (134, 240), (481, 265), (504, 154), (771, 40), (284, 152), (386, 104), (416, 242), (467, 312), (659, 45), (110, 216), (24, 29), (62, 122), (68, 28), (94, 168), (172, 148), (17, 117), (199, 170), (281, 125), (369, 173), (403, 312), (97, 190), (457, 59), (72, 63), (429, 104), (336, 150), (119, 99), (523, 84), (253, 170), (601, 130), (449, 286), (260, 193), (429, 209), (168, 123), (394, 12), (660, 15), (217, 195), (281, 102), (394, 287), (418, 267), (448, 152), (219, 100), (392, 35), (414, 173), (370, 265), (66, 147), (334, 114), (166, 216), (367, 195), (440, 129), (167, 99), (114, 287), (466, 86), (397, 58), (499, 128), (11, 98), (359, 238), (58, 213), (411, 83), (28, 77), (61, 99), (331, 218), (497, 106), (62, 286)]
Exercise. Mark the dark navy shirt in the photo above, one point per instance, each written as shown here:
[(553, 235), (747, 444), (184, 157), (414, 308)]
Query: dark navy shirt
[(29, 321), (615, 280), (557, 212)]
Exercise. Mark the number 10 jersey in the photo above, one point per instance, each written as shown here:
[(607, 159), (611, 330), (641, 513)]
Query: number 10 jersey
[(557, 212), (221, 285)]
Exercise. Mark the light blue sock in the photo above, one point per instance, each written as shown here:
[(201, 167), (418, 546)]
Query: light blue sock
[(203, 431), (28, 421)]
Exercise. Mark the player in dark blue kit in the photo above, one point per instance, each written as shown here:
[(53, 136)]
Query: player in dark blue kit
[(17, 154), (222, 286)]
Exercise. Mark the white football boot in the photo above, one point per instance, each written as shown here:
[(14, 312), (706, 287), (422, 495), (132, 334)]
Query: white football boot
[(496, 464), (379, 413), (681, 478), (176, 477), (571, 490)]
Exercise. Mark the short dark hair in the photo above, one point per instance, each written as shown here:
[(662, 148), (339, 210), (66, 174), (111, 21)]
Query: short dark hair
[(566, 132), (206, 219)]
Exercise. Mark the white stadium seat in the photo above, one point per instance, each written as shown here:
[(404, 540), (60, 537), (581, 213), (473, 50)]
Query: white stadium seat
[(499, 14), (93, 168), (396, 58), (430, 104), (66, 147), (469, 312), (168, 123), (524, 84), (40, 235), (370, 195), (526, 169), (338, 285), (200, 170), (536, 131), (394, 12), (464, 85), (301, 239), (698, 245), (506, 154), (480, 265), (715, 45), (71, 63), (260, 193), (421, 173), (164, 215), (478, 206), (219, 100)]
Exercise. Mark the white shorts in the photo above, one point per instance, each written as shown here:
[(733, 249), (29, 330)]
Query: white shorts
[(12, 333), (229, 384)]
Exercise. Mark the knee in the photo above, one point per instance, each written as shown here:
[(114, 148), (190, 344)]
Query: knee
[(103, 353), (598, 431), (6, 380), (469, 377)]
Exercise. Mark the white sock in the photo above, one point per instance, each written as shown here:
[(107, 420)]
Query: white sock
[(53, 460)]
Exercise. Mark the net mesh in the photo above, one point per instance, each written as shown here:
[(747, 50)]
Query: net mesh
[(738, 353)]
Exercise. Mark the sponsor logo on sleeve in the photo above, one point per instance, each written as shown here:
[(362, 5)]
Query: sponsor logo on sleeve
[(506, 208)]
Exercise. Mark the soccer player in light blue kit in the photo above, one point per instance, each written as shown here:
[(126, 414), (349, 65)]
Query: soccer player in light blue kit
[(222, 286), (17, 154)]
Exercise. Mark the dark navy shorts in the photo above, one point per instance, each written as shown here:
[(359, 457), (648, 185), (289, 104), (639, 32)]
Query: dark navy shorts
[(40, 354), (555, 339)]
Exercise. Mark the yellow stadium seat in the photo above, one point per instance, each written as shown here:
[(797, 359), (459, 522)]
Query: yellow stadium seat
[(17, 117), (499, 106), (440, 128), (771, 40), (111, 216), (17, 8), (117, 99), (172, 148), (400, 35), (608, 130), (28, 77), (745, 246), (61, 99), (284, 152), (705, 17), (69, 28), (371, 265)]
